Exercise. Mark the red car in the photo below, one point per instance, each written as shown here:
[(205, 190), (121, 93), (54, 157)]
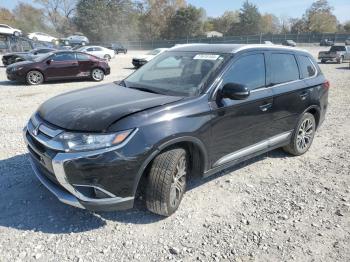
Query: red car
[(59, 65)]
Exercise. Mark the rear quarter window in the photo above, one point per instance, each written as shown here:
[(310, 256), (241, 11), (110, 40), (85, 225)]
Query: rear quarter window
[(284, 68), (307, 68)]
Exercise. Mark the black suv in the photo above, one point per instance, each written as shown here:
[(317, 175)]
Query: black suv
[(193, 110)]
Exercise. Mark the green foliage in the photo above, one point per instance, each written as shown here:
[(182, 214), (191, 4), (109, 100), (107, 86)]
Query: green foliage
[(249, 20), (29, 18), (320, 19), (186, 22)]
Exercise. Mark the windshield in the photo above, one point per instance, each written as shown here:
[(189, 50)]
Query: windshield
[(176, 73), (42, 58), (337, 48)]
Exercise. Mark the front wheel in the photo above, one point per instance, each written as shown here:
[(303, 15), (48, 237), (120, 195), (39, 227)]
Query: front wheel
[(167, 182), (97, 74), (303, 135), (34, 77)]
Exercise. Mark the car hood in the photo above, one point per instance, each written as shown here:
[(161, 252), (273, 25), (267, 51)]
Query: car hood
[(15, 53), (22, 63), (94, 109)]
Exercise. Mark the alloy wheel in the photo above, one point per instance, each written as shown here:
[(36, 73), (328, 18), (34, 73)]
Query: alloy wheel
[(305, 134), (178, 185), (35, 78), (97, 74)]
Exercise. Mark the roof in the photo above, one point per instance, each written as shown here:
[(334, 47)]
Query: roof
[(229, 48)]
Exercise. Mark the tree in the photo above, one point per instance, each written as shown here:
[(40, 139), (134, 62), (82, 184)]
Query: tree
[(319, 18), (59, 13), (6, 17), (298, 26), (186, 22), (156, 13), (224, 23), (29, 18), (347, 27), (106, 20), (270, 24), (249, 20)]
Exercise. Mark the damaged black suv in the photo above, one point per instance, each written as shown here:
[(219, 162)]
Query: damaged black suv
[(193, 110)]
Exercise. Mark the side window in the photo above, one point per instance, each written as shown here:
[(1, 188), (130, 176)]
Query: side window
[(83, 57), (249, 71), (90, 49), (307, 68), (64, 57), (284, 68), (98, 49)]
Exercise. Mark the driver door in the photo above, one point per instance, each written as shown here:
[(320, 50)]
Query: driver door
[(62, 65), (238, 125)]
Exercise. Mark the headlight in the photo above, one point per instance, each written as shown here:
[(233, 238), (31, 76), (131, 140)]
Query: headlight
[(17, 68), (83, 142)]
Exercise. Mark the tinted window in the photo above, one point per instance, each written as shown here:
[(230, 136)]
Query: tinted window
[(284, 68), (337, 48), (248, 70), (306, 67), (64, 57), (83, 57), (90, 49), (98, 49)]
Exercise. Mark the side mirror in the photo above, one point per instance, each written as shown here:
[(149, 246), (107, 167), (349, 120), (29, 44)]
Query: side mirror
[(235, 91), (49, 61)]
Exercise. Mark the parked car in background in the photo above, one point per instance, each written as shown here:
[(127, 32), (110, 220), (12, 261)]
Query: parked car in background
[(58, 65), (191, 111), (8, 30), (289, 43), (10, 58), (77, 40), (98, 51), (347, 41), (337, 53), (42, 37), (326, 42), (118, 48), (139, 61)]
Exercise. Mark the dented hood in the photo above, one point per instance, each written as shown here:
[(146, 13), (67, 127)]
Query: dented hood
[(95, 109)]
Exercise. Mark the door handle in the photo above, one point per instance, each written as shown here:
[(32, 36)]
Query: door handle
[(304, 95), (265, 107)]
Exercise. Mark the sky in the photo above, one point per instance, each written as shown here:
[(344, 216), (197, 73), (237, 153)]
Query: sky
[(281, 8)]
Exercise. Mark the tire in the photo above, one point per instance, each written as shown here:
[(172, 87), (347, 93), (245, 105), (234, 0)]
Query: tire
[(34, 77), (340, 60), (97, 74), (166, 182), (303, 136), (107, 57), (323, 61)]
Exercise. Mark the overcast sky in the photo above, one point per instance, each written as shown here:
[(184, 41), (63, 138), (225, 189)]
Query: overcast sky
[(286, 8)]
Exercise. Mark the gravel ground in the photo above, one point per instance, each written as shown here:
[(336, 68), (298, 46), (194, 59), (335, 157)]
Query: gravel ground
[(271, 208)]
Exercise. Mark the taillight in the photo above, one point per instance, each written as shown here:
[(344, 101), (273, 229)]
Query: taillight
[(326, 84)]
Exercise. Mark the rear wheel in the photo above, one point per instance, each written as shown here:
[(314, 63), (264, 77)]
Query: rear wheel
[(303, 135), (35, 77), (97, 74), (167, 182)]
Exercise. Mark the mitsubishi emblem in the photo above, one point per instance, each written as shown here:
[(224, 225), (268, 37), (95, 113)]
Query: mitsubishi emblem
[(36, 130)]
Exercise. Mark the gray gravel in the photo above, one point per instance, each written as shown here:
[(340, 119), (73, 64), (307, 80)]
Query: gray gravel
[(271, 208)]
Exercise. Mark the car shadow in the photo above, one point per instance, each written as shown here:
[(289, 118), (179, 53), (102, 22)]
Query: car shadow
[(343, 67), (26, 204), (19, 83)]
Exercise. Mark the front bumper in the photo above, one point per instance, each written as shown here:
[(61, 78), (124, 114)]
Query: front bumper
[(54, 171)]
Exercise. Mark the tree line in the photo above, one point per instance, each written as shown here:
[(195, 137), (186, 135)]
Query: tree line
[(108, 20)]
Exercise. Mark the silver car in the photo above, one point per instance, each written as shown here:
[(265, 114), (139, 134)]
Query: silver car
[(78, 39)]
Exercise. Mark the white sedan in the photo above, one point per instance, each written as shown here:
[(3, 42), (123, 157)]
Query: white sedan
[(139, 61), (98, 51), (8, 30), (42, 37)]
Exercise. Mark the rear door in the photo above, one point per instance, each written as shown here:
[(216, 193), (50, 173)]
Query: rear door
[(63, 65), (290, 93), (239, 124)]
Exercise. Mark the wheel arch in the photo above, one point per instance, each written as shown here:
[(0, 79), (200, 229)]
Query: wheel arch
[(194, 146), (316, 112)]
